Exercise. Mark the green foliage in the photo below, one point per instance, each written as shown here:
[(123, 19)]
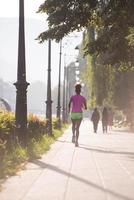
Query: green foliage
[(12, 159), (87, 74), (55, 123), (36, 125), (111, 85), (114, 33), (109, 39), (63, 17), (99, 77), (7, 125), (130, 37), (113, 22), (14, 156), (2, 149), (7, 122), (37, 147)]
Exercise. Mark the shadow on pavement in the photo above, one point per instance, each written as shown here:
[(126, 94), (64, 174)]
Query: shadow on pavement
[(100, 149), (106, 151), (44, 165)]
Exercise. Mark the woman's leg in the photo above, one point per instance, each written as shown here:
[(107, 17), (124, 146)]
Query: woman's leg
[(73, 130), (78, 122)]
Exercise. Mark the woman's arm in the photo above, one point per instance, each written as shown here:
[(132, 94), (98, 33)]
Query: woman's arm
[(69, 106), (85, 105)]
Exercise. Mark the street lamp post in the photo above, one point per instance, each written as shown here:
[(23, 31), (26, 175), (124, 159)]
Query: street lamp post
[(67, 93), (59, 90), (21, 84), (77, 79), (66, 86), (77, 72), (49, 101), (64, 93), (77, 50)]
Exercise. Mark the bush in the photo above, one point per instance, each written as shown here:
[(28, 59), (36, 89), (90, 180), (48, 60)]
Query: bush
[(7, 125), (12, 154), (36, 126), (2, 150), (12, 160), (55, 123)]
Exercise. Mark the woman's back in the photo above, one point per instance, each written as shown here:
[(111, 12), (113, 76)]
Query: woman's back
[(77, 102)]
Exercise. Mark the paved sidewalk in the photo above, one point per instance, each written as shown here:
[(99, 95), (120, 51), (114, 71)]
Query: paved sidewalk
[(101, 168)]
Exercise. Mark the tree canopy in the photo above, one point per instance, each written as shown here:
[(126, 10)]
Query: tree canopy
[(113, 21), (109, 45), (66, 16)]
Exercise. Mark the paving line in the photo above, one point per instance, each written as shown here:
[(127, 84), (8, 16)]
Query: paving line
[(100, 175), (124, 168), (22, 198), (67, 182)]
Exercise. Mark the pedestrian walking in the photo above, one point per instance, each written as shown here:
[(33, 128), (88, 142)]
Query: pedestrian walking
[(76, 105), (95, 119), (104, 120)]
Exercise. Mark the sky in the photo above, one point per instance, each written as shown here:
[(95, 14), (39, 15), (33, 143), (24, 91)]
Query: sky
[(36, 54), (9, 8)]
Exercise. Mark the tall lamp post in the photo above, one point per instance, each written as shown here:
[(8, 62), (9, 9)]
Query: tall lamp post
[(59, 90), (49, 101), (64, 92), (77, 65), (66, 85), (21, 84)]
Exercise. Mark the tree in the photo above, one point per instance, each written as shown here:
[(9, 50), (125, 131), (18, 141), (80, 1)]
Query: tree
[(100, 78), (114, 33), (66, 16), (112, 19), (110, 48)]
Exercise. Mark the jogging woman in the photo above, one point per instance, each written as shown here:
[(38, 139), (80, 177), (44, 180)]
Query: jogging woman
[(76, 104)]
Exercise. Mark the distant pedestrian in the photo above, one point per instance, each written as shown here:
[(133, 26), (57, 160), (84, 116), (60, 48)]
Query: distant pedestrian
[(76, 104), (110, 118), (104, 119), (95, 119)]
